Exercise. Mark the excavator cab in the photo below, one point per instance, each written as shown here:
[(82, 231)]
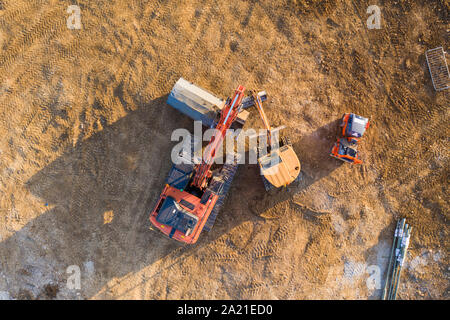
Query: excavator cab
[(174, 215)]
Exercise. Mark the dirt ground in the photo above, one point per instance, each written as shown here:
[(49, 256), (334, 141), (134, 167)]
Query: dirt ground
[(85, 148)]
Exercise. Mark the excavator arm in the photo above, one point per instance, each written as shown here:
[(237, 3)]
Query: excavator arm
[(258, 104), (228, 115)]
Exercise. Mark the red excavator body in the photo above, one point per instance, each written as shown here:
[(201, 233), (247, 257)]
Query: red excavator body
[(191, 199), (187, 209)]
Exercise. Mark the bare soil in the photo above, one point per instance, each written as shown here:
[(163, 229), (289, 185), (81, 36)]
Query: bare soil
[(85, 148)]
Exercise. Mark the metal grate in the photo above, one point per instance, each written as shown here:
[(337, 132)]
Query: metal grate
[(437, 64)]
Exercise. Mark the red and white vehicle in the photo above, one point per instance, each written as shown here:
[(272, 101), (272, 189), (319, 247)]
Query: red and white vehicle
[(352, 128)]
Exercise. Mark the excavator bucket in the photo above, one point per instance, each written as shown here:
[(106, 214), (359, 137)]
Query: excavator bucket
[(280, 166)]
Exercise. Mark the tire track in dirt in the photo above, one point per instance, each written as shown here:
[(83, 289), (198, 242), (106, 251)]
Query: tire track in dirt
[(223, 252), (272, 247), (42, 27), (410, 142), (14, 10), (27, 78), (149, 59), (252, 290), (152, 24), (269, 251)]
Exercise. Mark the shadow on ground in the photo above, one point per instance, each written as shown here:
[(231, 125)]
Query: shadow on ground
[(100, 193), (313, 151), (378, 255)]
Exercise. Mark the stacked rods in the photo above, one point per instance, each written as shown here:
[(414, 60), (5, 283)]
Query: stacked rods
[(383, 297), (401, 260), (396, 260)]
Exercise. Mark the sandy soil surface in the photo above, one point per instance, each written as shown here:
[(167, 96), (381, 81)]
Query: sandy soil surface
[(85, 148)]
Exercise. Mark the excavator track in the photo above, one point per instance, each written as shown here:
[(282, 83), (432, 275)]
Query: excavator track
[(223, 185)]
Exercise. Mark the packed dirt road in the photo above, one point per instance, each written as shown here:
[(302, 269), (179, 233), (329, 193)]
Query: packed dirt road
[(85, 148)]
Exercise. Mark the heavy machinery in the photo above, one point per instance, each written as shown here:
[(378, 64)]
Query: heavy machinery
[(351, 129), (194, 193), (280, 166), (345, 151)]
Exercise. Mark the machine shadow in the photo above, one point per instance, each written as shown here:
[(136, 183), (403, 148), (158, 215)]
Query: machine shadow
[(313, 151), (378, 255), (100, 193), (96, 198)]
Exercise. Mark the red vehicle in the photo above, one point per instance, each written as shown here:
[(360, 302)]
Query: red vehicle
[(194, 194), (345, 151), (352, 128), (181, 215)]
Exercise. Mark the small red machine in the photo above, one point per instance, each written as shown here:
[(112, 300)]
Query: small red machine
[(352, 128)]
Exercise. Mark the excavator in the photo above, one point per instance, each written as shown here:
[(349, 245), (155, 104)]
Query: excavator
[(194, 193), (280, 166), (351, 128)]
